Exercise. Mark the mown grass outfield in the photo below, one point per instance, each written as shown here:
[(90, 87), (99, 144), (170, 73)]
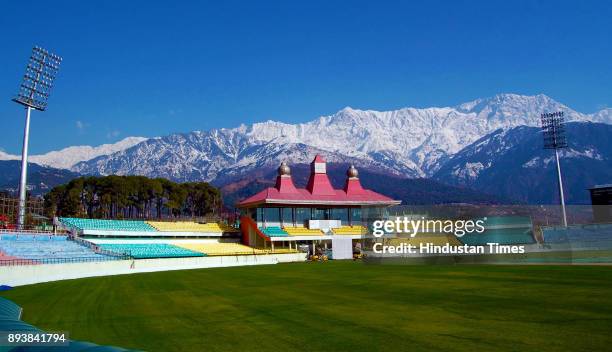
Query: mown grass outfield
[(334, 306)]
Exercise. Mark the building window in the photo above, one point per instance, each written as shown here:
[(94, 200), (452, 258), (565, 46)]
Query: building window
[(320, 214), (287, 216), (355, 216), (340, 214), (272, 216), (301, 216)]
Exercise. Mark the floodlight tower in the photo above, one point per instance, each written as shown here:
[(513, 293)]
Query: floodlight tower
[(33, 93), (553, 129)]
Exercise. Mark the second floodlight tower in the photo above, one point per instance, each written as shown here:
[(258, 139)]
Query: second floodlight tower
[(553, 129), (33, 93)]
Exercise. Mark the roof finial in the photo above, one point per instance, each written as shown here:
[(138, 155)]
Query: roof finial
[(284, 169), (352, 172)]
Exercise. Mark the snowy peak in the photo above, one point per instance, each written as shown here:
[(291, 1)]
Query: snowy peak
[(604, 116), (6, 156), (511, 110), (416, 138), (513, 163), (67, 157), (511, 102), (509, 107), (408, 142)]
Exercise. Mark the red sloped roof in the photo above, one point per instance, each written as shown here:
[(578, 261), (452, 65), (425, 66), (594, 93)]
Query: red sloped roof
[(319, 191), (284, 184), (271, 195), (318, 184)]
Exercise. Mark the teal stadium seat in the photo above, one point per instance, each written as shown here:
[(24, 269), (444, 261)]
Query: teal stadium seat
[(108, 225), (578, 234), (508, 222), (9, 309), (501, 236), (273, 231), (150, 250), (10, 320), (504, 230), (43, 247)]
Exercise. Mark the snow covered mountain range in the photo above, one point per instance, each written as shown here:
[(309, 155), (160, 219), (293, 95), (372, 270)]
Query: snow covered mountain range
[(408, 142), (512, 164), (67, 157)]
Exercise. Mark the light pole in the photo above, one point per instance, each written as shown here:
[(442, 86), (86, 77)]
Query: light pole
[(33, 94), (553, 128)]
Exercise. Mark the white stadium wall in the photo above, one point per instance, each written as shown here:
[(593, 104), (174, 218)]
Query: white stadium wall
[(32, 274)]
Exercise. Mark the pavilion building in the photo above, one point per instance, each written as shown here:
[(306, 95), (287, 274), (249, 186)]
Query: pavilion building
[(287, 216)]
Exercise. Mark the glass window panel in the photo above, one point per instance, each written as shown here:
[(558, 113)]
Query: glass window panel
[(356, 216), (301, 216), (287, 216), (339, 214), (272, 216), (320, 214)]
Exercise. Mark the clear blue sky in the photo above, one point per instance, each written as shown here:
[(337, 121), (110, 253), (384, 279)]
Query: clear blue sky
[(149, 68)]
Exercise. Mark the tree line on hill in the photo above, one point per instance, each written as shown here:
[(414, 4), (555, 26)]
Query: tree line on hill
[(132, 197)]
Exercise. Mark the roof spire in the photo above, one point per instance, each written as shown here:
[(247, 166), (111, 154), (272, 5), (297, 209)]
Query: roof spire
[(352, 172), (353, 185), (318, 183), (284, 182), (284, 169)]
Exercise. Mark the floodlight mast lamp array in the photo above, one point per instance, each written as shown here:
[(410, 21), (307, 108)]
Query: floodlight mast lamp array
[(33, 93), (553, 129)]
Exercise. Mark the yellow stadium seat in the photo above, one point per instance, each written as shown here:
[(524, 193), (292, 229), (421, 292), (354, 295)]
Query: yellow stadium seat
[(278, 250), (212, 249), (421, 239), (351, 230), (190, 226), (230, 248), (302, 231)]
